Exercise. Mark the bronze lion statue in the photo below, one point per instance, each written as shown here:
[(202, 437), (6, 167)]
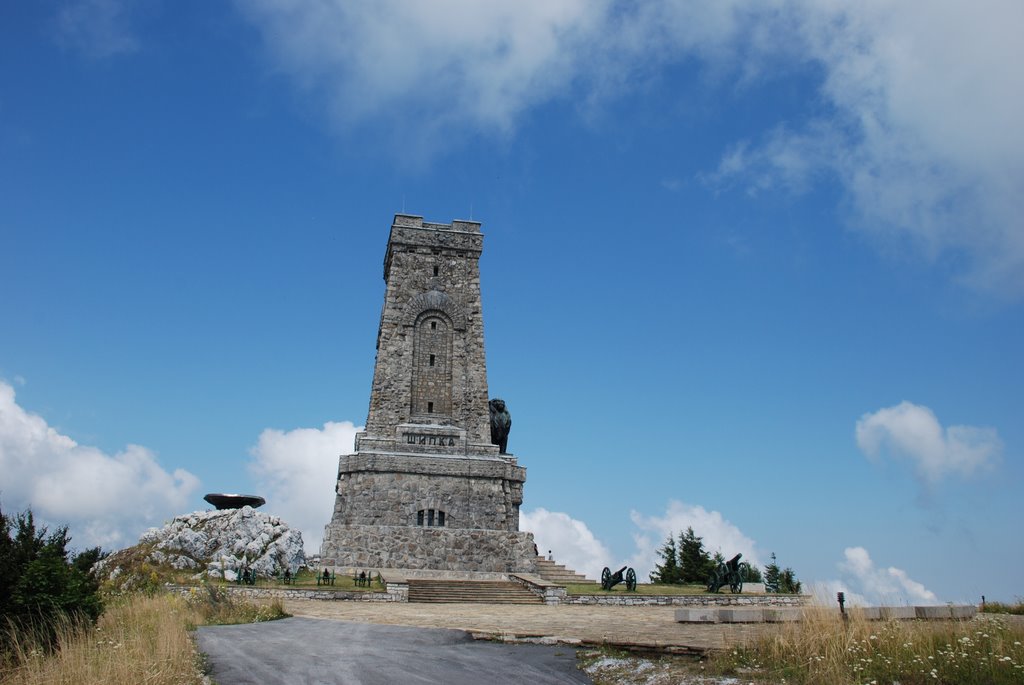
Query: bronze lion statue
[(501, 424)]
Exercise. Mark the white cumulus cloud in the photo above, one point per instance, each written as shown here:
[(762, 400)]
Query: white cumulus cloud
[(867, 585), (570, 541), (718, 534), (298, 470), (911, 431), (105, 500)]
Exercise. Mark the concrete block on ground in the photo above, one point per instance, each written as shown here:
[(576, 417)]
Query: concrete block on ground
[(933, 612), (697, 615), (868, 613), (898, 613), (745, 615), (753, 588), (782, 615), (963, 611)]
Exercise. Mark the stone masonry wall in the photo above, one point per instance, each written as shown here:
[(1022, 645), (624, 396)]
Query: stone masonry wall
[(431, 268), (410, 547), (724, 600), (390, 490), (393, 593)]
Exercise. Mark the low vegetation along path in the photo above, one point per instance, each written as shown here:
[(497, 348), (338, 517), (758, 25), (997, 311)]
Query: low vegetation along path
[(644, 627)]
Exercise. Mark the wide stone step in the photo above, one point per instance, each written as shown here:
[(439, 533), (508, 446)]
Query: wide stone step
[(450, 591), (559, 573)]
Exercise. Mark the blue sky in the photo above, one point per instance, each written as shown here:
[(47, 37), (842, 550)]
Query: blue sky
[(756, 268)]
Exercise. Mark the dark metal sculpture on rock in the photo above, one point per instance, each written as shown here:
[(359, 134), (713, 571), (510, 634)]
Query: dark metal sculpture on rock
[(501, 424), (223, 500), (610, 580), (727, 573)]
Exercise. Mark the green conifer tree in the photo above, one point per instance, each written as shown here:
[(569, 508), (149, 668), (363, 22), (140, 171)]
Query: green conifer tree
[(667, 572), (751, 573), (788, 582), (694, 562), (771, 575)]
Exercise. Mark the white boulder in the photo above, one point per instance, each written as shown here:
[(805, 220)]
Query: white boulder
[(225, 541)]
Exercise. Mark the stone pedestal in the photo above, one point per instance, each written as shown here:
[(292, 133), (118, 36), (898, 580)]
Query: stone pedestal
[(441, 549)]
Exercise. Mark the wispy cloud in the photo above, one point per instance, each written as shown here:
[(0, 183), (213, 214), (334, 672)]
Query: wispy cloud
[(911, 431), (916, 109), (97, 28), (297, 471), (104, 499), (434, 68)]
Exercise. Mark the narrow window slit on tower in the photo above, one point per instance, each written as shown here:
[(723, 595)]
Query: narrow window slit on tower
[(430, 517), (431, 360), (435, 270), (430, 407), (433, 325)]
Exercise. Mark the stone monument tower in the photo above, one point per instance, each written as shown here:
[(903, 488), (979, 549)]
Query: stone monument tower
[(425, 488)]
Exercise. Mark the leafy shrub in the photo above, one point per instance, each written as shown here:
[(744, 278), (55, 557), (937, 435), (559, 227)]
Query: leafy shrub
[(41, 585)]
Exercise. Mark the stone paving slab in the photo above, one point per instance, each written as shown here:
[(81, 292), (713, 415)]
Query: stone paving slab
[(898, 613), (697, 615), (963, 611), (645, 628), (781, 615), (730, 615)]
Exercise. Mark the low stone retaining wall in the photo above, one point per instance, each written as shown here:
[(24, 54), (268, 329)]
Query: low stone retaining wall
[(787, 614), (553, 594), (633, 599), (397, 592)]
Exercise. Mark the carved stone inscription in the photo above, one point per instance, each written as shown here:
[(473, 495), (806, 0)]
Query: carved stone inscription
[(427, 439)]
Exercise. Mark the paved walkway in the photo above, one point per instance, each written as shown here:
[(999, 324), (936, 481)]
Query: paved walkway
[(306, 650), (624, 626)]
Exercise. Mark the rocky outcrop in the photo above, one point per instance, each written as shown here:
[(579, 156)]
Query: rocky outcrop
[(218, 544)]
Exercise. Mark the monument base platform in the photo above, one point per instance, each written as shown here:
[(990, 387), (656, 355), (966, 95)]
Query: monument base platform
[(439, 549)]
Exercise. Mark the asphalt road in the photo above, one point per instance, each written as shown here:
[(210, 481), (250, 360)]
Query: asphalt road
[(321, 652)]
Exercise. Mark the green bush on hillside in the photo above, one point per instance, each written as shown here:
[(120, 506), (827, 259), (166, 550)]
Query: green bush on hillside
[(41, 583)]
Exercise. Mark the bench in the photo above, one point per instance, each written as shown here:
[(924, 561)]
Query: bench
[(363, 579), (322, 579)]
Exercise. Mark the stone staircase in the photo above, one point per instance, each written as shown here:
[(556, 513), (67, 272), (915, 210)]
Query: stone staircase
[(558, 573), (484, 591)]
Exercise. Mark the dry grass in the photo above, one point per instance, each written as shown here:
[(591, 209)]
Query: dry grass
[(1004, 608), (825, 650), (140, 639)]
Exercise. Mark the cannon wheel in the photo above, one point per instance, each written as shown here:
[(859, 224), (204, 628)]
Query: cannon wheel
[(736, 586), (713, 582), (606, 578), (631, 580)]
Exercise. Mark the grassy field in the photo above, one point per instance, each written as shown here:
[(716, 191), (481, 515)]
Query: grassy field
[(140, 638), (824, 649), (1004, 608)]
